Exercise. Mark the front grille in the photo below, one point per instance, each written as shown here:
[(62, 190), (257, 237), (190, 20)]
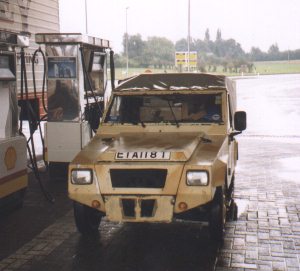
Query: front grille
[(147, 207), (128, 207), (138, 178)]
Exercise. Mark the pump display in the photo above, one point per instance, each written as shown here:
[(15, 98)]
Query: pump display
[(13, 166), (76, 92)]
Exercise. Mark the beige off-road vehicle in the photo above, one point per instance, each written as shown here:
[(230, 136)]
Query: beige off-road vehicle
[(165, 149)]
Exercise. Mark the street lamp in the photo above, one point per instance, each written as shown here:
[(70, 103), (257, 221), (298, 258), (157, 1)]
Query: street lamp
[(189, 33), (86, 20), (126, 45)]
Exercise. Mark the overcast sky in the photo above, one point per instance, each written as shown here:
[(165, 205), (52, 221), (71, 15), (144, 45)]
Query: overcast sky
[(258, 23)]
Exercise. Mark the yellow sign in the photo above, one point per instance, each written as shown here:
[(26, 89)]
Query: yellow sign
[(10, 158), (193, 56), (186, 58), (180, 56)]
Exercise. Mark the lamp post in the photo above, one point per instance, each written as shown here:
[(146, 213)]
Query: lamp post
[(189, 34), (86, 20), (126, 45)]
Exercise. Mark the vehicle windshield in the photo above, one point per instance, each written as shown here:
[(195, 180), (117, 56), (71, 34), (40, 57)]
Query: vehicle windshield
[(179, 108)]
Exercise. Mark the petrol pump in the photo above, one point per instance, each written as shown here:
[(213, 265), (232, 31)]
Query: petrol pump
[(76, 93), (13, 165)]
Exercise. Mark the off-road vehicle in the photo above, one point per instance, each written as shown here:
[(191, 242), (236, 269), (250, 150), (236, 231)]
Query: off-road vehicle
[(165, 149)]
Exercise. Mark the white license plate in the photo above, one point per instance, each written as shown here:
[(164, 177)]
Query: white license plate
[(143, 155)]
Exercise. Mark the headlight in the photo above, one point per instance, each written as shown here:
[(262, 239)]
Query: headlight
[(197, 178), (82, 176)]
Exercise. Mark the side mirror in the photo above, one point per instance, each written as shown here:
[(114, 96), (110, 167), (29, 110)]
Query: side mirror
[(240, 122)]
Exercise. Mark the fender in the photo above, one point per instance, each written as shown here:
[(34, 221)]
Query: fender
[(219, 170)]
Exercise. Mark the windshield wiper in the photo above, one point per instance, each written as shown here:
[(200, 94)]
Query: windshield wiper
[(143, 124), (176, 121), (206, 140), (138, 121)]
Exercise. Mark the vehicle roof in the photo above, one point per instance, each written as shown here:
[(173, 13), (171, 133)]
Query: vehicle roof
[(179, 82), (172, 81)]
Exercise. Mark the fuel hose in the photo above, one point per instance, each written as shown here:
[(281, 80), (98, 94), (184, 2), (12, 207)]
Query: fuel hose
[(112, 69), (33, 61), (91, 119), (33, 119)]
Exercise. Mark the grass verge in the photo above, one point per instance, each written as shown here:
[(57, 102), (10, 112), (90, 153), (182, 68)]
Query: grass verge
[(260, 68)]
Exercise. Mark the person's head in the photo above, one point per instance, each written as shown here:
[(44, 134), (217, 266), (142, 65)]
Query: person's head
[(195, 105)]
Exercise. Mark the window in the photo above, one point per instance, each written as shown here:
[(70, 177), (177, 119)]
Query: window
[(184, 108)]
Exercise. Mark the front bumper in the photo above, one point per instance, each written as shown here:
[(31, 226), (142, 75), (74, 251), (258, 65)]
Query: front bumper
[(140, 192), (132, 208)]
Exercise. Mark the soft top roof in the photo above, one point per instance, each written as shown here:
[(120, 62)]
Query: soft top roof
[(179, 81), (172, 81)]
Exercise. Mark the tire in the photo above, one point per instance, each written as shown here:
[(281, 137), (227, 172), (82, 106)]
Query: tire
[(217, 216), (232, 213), (87, 219), (230, 189)]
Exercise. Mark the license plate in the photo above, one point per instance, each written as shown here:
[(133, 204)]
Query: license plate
[(143, 155)]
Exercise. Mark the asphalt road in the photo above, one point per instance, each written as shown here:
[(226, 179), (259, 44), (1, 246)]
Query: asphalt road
[(42, 236)]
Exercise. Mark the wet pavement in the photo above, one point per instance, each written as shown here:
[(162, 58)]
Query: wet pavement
[(42, 236), (267, 233)]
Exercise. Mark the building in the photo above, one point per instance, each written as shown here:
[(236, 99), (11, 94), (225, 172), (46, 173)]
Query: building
[(31, 16)]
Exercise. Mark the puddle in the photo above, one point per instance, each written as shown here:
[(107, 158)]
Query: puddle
[(288, 168)]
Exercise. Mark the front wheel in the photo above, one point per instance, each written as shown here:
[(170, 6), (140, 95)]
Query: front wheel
[(232, 213), (87, 219), (217, 215)]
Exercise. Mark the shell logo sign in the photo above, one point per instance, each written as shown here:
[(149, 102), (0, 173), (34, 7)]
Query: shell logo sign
[(10, 158)]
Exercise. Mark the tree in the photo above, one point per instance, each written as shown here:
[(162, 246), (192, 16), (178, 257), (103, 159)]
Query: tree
[(119, 61), (274, 49), (159, 52), (219, 35), (135, 45), (207, 36), (224, 63), (201, 46), (273, 52), (181, 45), (256, 54)]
